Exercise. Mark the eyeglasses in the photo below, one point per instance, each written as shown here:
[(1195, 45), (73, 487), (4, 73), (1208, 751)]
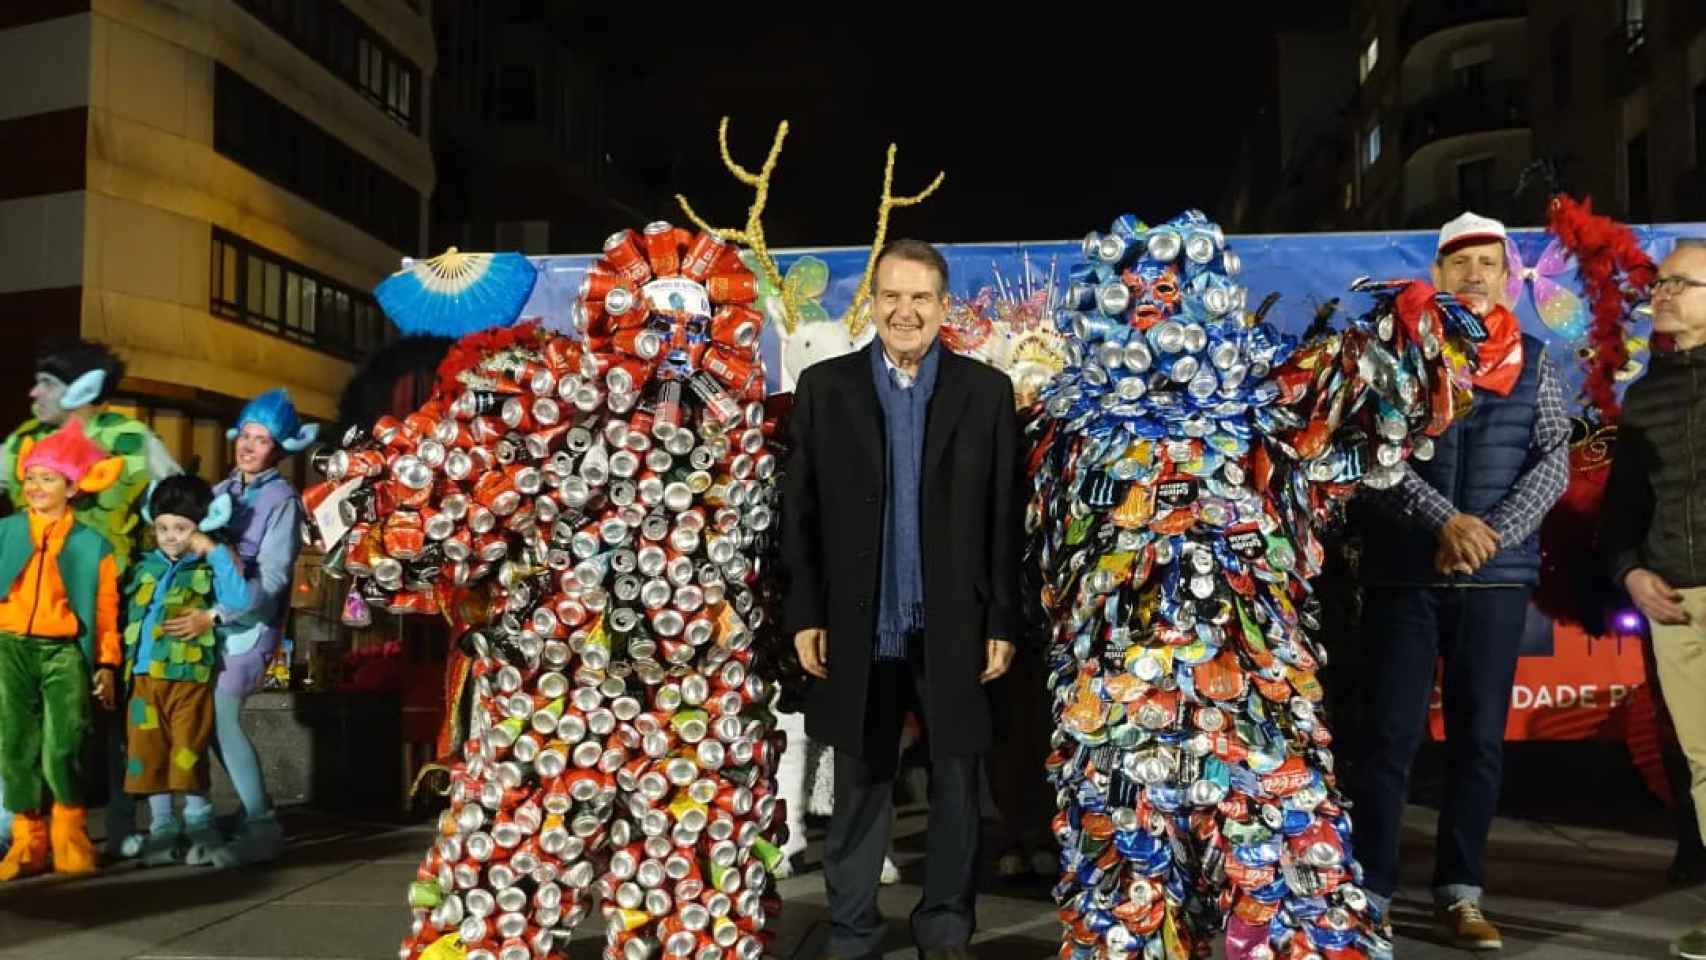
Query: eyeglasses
[(1675, 285)]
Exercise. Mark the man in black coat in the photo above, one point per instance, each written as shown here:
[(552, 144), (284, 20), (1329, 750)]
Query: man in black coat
[(902, 515)]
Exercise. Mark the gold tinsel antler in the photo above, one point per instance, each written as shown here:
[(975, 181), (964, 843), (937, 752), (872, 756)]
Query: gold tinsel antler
[(753, 236), (855, 322)]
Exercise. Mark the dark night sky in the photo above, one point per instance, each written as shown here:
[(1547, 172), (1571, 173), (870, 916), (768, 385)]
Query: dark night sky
[(1045, 130)]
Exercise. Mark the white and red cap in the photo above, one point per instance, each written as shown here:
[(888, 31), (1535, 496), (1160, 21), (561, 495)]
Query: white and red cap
[(1469, 228)]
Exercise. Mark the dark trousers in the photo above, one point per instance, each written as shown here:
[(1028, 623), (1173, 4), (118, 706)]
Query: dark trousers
[(1477, 631), (864, 817)]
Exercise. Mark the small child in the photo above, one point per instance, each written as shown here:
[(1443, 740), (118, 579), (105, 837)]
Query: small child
[(171, 648), (58, 625)]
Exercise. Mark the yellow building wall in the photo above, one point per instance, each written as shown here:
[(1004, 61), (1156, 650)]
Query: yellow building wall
[(156, 189)]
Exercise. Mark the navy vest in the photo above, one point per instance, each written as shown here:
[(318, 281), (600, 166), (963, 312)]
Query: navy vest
[(1475, 463)]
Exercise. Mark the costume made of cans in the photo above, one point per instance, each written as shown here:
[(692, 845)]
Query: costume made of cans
[(591, 514), (1183, 463)]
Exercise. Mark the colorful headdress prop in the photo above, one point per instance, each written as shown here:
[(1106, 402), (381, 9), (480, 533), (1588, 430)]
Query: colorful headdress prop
[(70, 453), (274, 411), (90, 372), (188, 496)]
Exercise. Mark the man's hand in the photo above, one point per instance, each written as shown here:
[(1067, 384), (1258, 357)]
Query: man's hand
[(812, 645), (998, 656), (106, 688), (1447, 562), (1469, 539), (189, 624), (1656, 598)]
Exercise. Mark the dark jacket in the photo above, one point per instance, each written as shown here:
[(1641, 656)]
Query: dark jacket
[(1654, 515), (971, 506)]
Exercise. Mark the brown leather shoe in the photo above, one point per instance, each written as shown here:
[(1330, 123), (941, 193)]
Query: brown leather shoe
[(1465, 927)]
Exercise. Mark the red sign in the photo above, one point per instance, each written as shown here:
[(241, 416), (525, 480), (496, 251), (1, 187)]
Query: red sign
[(1583, 690)]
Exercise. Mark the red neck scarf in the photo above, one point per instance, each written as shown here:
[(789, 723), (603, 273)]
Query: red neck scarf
[(1499, 357)]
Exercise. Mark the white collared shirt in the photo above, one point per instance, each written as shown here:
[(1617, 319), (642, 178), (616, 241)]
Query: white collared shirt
[(901, 377)]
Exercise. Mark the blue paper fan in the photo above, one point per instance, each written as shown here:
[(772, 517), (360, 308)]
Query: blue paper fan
[(457, 293)]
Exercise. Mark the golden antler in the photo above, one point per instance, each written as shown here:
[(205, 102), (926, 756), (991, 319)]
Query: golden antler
[(855, 322), (753, 235)]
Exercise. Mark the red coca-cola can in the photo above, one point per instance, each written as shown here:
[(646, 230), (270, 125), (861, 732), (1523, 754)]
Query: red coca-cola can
[(595, 362), (497, 493), (366, 463), (562, 355), (486, 430), (387, 429), (622, 252), (626, 374), (413, 601), (663, 249), (359, 558), (732, 287), (703, 253), (453, 434), (638, 341), (735, 369), (736, 325), (417, 425), (517, 416)]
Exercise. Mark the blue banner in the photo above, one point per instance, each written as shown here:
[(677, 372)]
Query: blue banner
[(1305, 269)]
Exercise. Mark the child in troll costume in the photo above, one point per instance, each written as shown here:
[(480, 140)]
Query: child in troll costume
[(169, 717), (59, 643)]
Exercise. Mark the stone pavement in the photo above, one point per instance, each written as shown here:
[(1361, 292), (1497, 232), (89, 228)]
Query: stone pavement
[(1559, 893)]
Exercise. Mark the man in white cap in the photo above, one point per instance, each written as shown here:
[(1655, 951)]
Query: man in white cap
[(1449, 560)]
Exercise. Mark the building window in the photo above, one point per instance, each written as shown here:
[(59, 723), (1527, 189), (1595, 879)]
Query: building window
[(1371, 146), (254, 286), (1469, 70), (1562, 68), (278, 144), (1640, 191), (1475, 184), (342, 42), (1369, 57)]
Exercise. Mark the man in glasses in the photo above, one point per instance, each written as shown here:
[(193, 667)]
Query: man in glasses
[(1654, 521), (1449, 563)]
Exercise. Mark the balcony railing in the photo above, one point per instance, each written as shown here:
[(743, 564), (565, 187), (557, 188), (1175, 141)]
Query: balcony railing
[(1460, 112)]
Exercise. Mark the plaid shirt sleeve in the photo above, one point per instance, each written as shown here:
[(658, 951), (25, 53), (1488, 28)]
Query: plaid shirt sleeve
[(1547, 472)]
